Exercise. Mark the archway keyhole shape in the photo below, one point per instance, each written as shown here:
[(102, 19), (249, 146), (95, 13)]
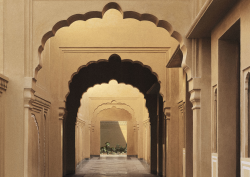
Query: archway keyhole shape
[(126, 14), (126, 71)]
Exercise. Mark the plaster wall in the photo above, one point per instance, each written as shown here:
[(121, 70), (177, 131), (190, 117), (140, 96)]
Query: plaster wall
[(239, 11), (12, 65)]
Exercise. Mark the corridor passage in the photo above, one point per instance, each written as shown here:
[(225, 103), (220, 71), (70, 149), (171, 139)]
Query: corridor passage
[(113, 165)]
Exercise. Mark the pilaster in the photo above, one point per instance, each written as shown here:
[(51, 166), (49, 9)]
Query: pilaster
[(182, 136), (167, 114), (61, 114), (29, 98), (195, 96)]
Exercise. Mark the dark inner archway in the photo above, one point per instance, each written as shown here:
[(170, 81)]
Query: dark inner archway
[(124, 71)]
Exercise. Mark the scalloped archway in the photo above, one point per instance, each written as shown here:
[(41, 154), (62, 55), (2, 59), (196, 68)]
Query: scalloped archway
[(111, 104), (126, 14), (123, 71)]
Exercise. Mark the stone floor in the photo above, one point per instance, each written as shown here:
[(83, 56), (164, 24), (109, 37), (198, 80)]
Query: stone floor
[(113, 165)]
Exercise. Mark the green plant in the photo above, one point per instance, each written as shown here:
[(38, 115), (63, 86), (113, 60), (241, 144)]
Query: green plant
[(113, 150), (103, 149), (107, 144)]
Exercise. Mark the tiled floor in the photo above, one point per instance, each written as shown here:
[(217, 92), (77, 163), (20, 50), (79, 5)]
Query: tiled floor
[(120, 166)]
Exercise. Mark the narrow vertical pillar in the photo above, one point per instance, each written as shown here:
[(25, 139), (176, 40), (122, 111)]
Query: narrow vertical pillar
[(189, 135), (160, 134), (28, 99), (200, 93), (182, 137), (140, 140), (69, 143), (152, 105), (167, 113), (61, 116), (195, 99)]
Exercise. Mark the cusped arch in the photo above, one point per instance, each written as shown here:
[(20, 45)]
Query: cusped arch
[(124, 71), (111, 104), (127, 14), (114, 109)]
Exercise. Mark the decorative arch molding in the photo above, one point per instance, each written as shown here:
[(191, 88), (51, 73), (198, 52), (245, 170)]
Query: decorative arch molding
[(124, 71), (112, 104), (121, 109), (127, 14)]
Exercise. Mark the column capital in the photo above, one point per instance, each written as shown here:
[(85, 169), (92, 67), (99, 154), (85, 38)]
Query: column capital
[(195, 96), (29, 92), (29, 97)]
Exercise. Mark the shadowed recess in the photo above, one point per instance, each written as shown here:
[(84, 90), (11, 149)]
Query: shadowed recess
[(124, 71)]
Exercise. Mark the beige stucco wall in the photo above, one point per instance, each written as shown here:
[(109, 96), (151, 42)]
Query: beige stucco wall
[(240, 11)]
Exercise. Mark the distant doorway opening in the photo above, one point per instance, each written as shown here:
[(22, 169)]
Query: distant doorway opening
[(113, 137)]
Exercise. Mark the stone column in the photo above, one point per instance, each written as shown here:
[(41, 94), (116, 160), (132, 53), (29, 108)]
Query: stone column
[(160, 127), (167, 113), (199, 88), (61, 112), (69, 143), (88, 140), (146, 140), (152, 105), (195, 100), (140, 140), (182, 137), (28, 99)]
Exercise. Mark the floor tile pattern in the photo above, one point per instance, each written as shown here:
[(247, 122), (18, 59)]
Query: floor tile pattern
[(120, 166)]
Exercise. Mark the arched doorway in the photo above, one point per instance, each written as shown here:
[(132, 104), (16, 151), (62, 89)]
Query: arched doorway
[(124, 71)]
